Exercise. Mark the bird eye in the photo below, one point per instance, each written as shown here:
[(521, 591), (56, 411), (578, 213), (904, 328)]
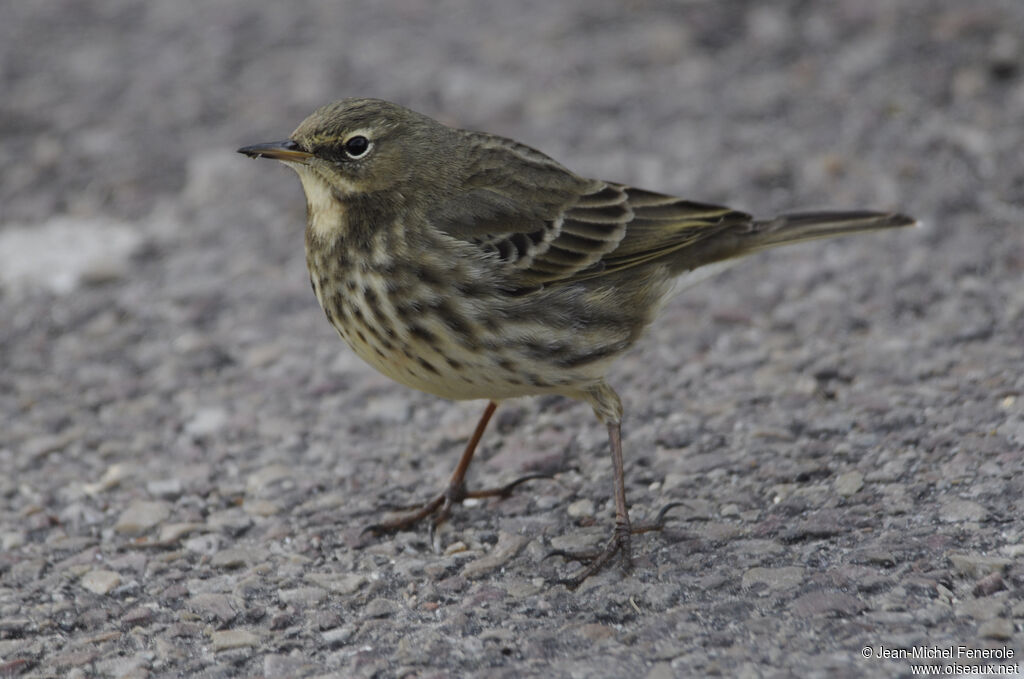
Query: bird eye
[(356, 147)]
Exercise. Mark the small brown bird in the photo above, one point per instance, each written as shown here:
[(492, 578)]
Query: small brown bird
[(471, 266)]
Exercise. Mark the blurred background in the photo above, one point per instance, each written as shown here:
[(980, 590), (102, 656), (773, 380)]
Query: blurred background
[(112, 106), (159, 343)]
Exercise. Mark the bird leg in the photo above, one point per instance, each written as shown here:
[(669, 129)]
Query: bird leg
[(620, 543), (440, 507)]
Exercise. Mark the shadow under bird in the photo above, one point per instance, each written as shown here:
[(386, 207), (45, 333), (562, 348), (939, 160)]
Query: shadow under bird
[(471, 266)]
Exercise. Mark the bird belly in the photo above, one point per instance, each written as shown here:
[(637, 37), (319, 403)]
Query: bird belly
[(446, 345)]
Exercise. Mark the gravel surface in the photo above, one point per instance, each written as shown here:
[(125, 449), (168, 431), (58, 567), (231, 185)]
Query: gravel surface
[(189, 453)]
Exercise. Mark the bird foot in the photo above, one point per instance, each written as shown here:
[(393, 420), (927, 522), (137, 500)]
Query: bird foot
[(440, 507), (620, 545)]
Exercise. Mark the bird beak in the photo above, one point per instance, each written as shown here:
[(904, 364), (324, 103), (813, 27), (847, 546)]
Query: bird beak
[(286, 151)]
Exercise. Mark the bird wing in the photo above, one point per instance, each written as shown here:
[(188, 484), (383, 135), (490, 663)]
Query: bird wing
[(547, 225)]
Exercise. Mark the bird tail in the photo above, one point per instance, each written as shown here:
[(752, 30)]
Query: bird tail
[(798, 227)]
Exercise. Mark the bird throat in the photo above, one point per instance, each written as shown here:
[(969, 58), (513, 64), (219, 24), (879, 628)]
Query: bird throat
[(325, 207)]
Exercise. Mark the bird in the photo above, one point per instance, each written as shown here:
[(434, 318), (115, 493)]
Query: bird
[(471, 266)]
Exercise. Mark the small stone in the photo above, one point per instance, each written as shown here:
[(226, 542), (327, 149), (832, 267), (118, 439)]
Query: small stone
[(278, 665), (262, 355), (75, 659), (387, 409), (231, 521), (111, 478), (380, 608), (203, 544), (775, 578), (232, 558), (138, 616), (581, 509), (141, 516), (978, 609), (830, 604), (338, 635), (596, 631), (507, 548), (996, 628), (232, 638), (988, 585), (730, 511), (266, 477), (848, 483), (100, 581), (977, 566), (261, 508), (129, 666), (211, 607), (578, 540), (64, 252), (959, 511), (456, 547), (165, 489), (172, 532), (302, 596), (1014, 551), (661, 670), (11, 541), (347, 583), (206, 421)]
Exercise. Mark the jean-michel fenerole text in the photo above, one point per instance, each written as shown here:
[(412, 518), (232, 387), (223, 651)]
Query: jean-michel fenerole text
[(945, 652)]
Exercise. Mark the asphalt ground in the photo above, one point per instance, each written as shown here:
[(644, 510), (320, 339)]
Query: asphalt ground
[(189, 453)]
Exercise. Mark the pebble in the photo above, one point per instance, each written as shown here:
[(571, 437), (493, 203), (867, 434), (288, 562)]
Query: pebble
[(232, 521), (111, 478), (165, 489), (142, 515), (958, 511), (990, 584), (344, 583), (829, 604), (261, 480), (232, 638), (338, 635), (172, 532), (11, 540), (581, 508), (262, 508), (234, 557), (785, 577), (380, 608), (303, 596), (848, 483), (100, 581), (392, 409), (277, 665), (996, 628), (206, 422), (64, 252), (976, 565), (211, 606), (203, 544), (506, 549)]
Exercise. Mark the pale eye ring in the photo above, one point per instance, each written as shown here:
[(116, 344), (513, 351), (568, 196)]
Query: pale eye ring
[(357, 146)]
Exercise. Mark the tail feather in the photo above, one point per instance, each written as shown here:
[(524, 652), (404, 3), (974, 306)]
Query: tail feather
[(746, 237), (803, 226)]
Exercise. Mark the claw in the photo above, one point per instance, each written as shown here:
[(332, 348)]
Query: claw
[(659, 519), (506, 490), (619, 544), (441, 506)]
